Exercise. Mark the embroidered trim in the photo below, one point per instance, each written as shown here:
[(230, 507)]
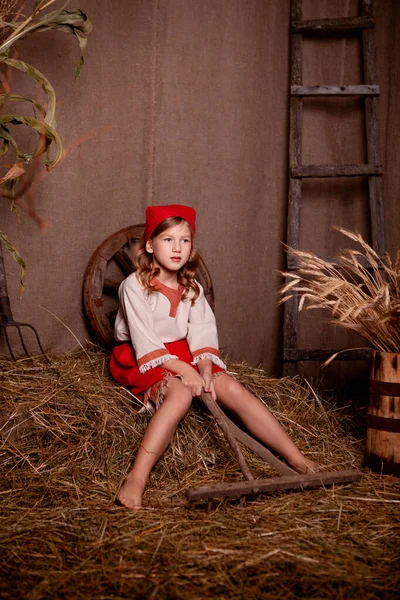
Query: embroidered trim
[(162, 387), (156, 362), (151, 356), (215, 359), (206, 349), (174, 296), (154, 395)]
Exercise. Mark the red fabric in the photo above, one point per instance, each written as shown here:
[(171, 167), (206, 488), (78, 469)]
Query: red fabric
[(156, 214), (124, 368)]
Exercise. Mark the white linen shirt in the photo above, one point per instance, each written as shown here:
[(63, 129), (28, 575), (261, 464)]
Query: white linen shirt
[(150, 319)]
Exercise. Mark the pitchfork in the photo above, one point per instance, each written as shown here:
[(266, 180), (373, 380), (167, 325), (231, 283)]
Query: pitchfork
[(6, 316)]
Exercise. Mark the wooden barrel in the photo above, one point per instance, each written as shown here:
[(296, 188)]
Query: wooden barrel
[(383, 416)]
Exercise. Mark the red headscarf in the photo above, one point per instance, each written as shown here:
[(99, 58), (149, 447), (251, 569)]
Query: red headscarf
[(156, 214)]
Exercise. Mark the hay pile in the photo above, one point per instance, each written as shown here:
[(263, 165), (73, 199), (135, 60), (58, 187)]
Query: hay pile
[(68, 435)]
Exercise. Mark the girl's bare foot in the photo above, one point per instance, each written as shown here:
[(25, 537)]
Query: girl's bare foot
[(131, 492)]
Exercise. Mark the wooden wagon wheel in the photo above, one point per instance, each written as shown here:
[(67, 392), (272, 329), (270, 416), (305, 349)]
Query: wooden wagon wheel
[(110, 264)]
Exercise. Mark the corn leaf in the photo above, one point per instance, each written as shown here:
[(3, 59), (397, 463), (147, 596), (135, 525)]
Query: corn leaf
[(14, 171), (38, 4), (9, 140), (16, 256), (75, 22), (4, 148), (20, 98), (48, 132), (42, 81)]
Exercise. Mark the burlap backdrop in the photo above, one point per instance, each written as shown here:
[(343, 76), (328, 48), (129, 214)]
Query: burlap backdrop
[(188, 102)]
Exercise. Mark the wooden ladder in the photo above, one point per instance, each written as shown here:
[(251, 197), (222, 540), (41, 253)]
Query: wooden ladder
[(369, 91)]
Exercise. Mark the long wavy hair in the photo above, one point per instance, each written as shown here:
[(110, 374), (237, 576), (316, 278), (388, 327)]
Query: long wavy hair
[(144, 262)]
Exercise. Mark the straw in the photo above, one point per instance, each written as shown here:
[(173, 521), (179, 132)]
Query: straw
[(360, 290), (68, 437)]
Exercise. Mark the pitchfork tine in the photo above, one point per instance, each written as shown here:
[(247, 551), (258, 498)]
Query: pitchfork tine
[(7, 319), (8, 342), (37, 339), (18, 326)]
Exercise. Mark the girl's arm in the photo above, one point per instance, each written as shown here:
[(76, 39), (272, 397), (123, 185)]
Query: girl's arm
[(190, 377), (202, 334), (205, 367)]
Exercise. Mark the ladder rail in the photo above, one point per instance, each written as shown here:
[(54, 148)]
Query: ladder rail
[(295, 185), (372, 134)]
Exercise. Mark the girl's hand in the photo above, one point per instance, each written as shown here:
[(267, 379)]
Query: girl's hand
[(193, 380), (205, 368), (208, 384), (190, 377)]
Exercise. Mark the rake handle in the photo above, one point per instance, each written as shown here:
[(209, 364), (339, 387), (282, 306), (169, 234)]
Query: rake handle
[(6, 316), (224, 423), (3, 281)]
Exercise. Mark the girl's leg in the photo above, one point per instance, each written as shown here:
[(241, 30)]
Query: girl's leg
[(260, 421), (158, 435)]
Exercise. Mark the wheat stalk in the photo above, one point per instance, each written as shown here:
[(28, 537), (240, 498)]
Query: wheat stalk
[(361, 290)]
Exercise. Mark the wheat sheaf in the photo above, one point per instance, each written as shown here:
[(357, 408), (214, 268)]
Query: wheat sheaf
[(360, 290)]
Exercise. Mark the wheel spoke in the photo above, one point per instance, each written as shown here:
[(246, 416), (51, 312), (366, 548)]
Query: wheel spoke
[(124, 261), (111, 315), (111, 287)]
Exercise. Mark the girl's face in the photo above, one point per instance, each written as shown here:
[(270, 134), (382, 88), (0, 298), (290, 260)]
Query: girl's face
[(171, 249)]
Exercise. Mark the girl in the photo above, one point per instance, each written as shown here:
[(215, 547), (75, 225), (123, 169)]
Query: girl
[(168, 348)]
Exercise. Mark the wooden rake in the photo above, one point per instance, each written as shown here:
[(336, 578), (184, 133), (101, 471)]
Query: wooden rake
[(290, 479)]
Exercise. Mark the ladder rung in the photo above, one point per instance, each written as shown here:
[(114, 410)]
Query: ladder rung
[(301, 354), (344, 170), (326, 26), (334, 90)]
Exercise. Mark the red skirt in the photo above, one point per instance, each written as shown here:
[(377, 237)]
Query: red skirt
[(124, 369)]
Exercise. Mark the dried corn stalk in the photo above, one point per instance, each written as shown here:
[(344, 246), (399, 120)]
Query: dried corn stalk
[(15, 183)]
